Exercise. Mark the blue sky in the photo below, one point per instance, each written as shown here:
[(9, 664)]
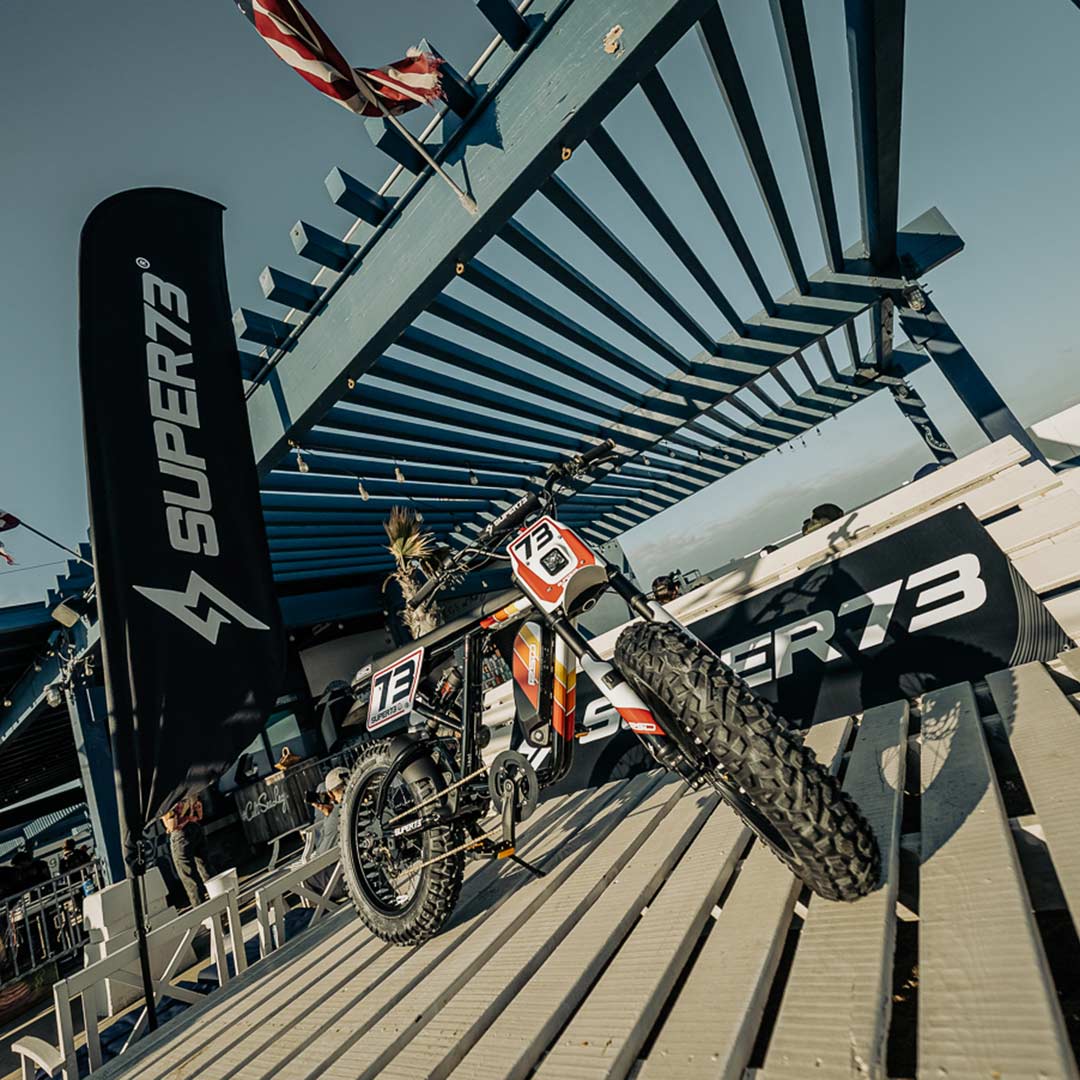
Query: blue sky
[(187, 96)]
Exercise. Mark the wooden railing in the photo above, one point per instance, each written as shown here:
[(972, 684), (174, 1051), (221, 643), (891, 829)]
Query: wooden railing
[(221, 914), (270, 900)]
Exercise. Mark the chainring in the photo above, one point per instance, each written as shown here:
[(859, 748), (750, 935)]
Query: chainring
[(510, 765)]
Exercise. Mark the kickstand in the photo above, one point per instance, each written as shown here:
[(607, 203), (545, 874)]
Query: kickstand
[(509, 829), (527, 865)]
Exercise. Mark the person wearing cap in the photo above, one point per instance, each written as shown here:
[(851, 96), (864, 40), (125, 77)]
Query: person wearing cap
[(326, 838), (665, 588), (820, 516), (336, 779)]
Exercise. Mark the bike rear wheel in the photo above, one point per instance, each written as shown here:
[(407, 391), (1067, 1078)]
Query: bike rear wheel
[(403, 888), (770, 779)]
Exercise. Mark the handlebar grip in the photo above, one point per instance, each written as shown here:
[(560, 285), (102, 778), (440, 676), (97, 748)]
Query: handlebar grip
[(603, 452)]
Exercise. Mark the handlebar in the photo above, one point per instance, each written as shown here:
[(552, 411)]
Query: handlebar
[(432, 583), (519, 512), (604, 451)]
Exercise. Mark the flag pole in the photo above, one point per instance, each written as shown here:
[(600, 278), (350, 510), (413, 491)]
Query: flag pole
[(373, 98), (56, 543)]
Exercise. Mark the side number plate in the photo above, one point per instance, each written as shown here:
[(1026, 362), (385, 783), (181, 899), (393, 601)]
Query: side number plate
[(393, 689)]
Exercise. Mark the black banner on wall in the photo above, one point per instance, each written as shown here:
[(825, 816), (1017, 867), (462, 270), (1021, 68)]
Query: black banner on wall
[(933, 604), (927, 606), (191, 633)]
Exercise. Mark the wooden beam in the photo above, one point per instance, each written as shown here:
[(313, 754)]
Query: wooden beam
[(563, 87)]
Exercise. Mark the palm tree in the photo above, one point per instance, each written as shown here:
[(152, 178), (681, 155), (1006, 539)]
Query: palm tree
[(413, 550)]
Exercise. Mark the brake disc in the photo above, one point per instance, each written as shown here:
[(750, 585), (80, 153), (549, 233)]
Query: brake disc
[(510, 765)]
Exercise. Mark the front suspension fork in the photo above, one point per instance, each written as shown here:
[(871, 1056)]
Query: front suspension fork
[(670, 745)]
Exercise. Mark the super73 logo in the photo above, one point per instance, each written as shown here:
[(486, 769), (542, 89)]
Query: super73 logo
[(943, 591)]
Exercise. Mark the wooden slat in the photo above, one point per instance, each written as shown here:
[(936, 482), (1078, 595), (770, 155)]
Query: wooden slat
[(516, 1040), (205, 1030), (664, 823), (834, 1018), (297, 973), (612, 1024), (1039, 520), (1011, 488), (296, 976), (1044, 733), (710, 1030), (986, 1001), (288, 1037), (360, 1031), (1052, 565), (1066, 610)]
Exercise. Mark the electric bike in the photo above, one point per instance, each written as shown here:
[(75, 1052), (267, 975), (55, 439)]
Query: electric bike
[(420, 797)]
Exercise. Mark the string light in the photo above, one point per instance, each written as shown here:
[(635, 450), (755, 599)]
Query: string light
[(473, 478), (399, 476), (364, 493), (301, 464)]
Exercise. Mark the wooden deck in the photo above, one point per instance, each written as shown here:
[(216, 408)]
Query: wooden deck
[(662, 943)]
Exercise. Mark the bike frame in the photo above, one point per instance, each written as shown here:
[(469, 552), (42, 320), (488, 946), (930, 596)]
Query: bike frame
[(556, 654)]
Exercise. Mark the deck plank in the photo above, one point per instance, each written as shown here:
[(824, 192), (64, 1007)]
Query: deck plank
[(1051, 565), (613, 1022), (1044, 733), (513, 1044), (1039, 520), (666, 824), (710, 1029), (834, 1018), (355, 1032), (289, 1037), (298, 971), (176, 1050), (986, 1001)]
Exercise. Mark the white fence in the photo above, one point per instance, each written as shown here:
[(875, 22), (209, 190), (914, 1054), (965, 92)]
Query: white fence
[(270, 899), (221, 915)]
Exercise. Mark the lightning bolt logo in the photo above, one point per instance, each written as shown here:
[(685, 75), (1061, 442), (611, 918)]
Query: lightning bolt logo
[(183, 605)]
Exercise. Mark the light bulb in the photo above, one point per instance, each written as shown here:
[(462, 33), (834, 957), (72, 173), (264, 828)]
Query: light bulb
[(473, 478), (301, 464), (364, 494), (399, 476)]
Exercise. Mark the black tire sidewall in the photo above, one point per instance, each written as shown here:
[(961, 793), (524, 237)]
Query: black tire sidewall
[(439, 884)]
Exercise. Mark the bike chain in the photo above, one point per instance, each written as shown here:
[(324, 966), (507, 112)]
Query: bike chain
[(438, 794), (476, 841)]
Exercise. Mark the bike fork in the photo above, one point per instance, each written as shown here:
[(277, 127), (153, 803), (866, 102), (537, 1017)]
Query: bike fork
[(669, 747)]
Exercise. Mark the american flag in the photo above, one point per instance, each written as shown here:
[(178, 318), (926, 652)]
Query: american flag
[(7, 521), (293, 34)]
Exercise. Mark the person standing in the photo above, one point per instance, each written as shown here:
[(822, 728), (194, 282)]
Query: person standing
[(187, 847)]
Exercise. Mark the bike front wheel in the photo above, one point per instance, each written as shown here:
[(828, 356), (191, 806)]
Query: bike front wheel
[(769, 778)]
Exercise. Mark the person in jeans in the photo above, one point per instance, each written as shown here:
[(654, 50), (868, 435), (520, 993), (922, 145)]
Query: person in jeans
[(187, 847)]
